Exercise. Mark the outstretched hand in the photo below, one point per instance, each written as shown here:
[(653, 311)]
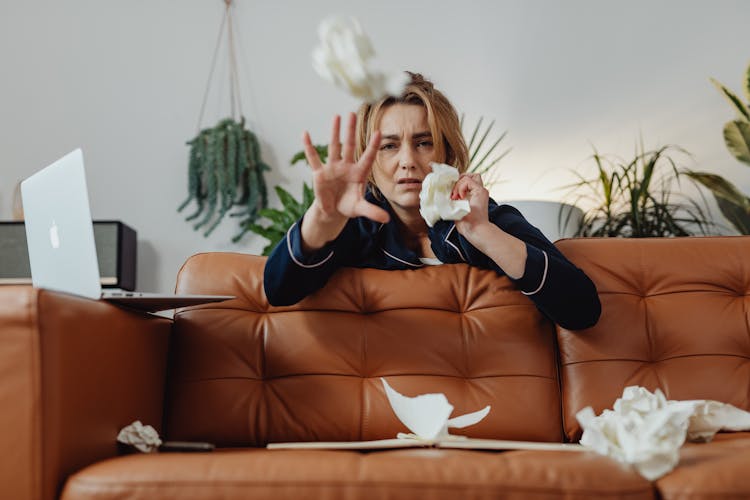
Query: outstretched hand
[(339, 184)]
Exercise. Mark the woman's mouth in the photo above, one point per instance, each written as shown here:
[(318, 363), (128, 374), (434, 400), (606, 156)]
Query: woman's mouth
[(410, 183)]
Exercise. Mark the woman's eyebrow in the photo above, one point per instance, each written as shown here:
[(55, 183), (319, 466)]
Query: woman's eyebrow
[(396, 137)]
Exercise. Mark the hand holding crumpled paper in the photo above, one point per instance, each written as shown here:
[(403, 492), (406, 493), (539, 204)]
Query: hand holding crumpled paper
[(143, 437), (646, 430), (435, 201), (343, 58), (426, 415)]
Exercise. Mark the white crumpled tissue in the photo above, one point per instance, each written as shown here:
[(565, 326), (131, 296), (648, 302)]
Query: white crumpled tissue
[(143, 437), (343, 58), (427, 415), (435, 197), (646, 430)]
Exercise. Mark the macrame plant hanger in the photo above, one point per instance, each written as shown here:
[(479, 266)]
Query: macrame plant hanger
[(225, 167), (234, 87)]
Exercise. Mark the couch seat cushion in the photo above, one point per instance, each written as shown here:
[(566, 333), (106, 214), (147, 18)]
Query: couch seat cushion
[(423, 473), (720, 469)]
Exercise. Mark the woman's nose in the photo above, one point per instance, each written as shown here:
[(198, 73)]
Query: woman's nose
[(407, 159)]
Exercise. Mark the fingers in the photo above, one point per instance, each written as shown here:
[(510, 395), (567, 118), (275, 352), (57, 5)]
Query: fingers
[(351, 127), (368, 156), (372, 212), (310, 152), (334, 147), (465, 184)]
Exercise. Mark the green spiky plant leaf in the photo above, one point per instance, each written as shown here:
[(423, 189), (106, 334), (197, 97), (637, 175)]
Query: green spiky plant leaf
[(225, 170), (483, 155), (280, 220), (637, 198)]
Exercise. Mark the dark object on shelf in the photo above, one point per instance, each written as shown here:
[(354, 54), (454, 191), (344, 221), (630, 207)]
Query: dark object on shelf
[(115, 250)]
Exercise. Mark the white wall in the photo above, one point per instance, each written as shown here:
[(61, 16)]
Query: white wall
[(124, 80)]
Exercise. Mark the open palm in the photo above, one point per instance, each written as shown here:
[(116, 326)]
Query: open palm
[(339, 184)]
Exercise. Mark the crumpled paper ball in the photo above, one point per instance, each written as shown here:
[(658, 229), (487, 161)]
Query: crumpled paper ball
[(435, 197), (709, 417), (646, 430), (343, 58), (143, 437)]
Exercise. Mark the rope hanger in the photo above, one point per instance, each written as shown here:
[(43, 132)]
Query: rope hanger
[(234, 82)]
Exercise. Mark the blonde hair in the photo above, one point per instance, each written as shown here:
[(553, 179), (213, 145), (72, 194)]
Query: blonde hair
[(449, 143)]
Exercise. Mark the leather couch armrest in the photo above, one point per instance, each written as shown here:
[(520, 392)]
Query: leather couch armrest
[(73, 372)]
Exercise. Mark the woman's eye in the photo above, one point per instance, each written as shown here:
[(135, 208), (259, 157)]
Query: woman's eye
[(386, 147), (425, 144)]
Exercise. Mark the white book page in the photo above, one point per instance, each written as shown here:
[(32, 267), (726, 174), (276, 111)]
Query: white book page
[(378, 444), (501, 444)]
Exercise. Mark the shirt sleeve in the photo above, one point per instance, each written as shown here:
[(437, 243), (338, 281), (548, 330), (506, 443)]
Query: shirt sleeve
[(291, 274), (562, 291)]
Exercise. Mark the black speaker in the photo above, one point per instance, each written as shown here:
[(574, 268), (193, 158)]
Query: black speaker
[(115, 249)]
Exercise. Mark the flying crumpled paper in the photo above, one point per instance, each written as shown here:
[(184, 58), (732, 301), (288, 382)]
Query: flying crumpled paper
[(143, 437), (435, 197), (344, 56), (646, 430), (427, 415)]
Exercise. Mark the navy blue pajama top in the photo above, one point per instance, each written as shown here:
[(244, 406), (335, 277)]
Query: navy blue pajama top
[(559, 289)]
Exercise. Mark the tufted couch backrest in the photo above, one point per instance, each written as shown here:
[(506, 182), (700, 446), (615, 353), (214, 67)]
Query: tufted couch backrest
[(243, 373), (674, 316)]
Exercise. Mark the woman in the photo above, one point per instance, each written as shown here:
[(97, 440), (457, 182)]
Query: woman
[(366, 213)]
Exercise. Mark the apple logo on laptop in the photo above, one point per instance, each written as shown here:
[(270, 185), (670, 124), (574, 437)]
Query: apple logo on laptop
[(54, 237)]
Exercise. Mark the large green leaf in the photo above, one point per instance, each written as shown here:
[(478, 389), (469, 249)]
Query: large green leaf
[(322, 150), (737, 139), (280, 218), (733, 204), (308, 196), (267, 233), (733, 99), (747, 84), (720, 187), (734, 213), (288, 200)]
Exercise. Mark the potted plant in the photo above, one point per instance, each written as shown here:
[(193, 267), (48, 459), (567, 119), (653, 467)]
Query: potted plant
[(635, 199), (734, 205), (225, 170)]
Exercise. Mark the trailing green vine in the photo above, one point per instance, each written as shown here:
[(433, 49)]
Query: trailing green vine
[(225, 170)]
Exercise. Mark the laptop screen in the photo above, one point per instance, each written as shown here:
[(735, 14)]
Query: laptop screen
[(59, 231)]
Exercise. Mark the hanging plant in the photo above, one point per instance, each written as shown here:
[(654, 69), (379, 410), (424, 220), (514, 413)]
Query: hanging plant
[(225, 170), (225, 167)]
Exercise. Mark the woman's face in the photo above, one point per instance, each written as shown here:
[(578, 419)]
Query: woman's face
[(403, 159)]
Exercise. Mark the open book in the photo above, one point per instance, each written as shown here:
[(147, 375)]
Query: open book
[(427, 417), (408, 442)]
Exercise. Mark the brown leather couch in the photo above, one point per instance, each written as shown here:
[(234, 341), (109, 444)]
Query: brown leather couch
[(241, 374)]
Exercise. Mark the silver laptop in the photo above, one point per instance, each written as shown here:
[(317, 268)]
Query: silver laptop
[(60, 237)]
